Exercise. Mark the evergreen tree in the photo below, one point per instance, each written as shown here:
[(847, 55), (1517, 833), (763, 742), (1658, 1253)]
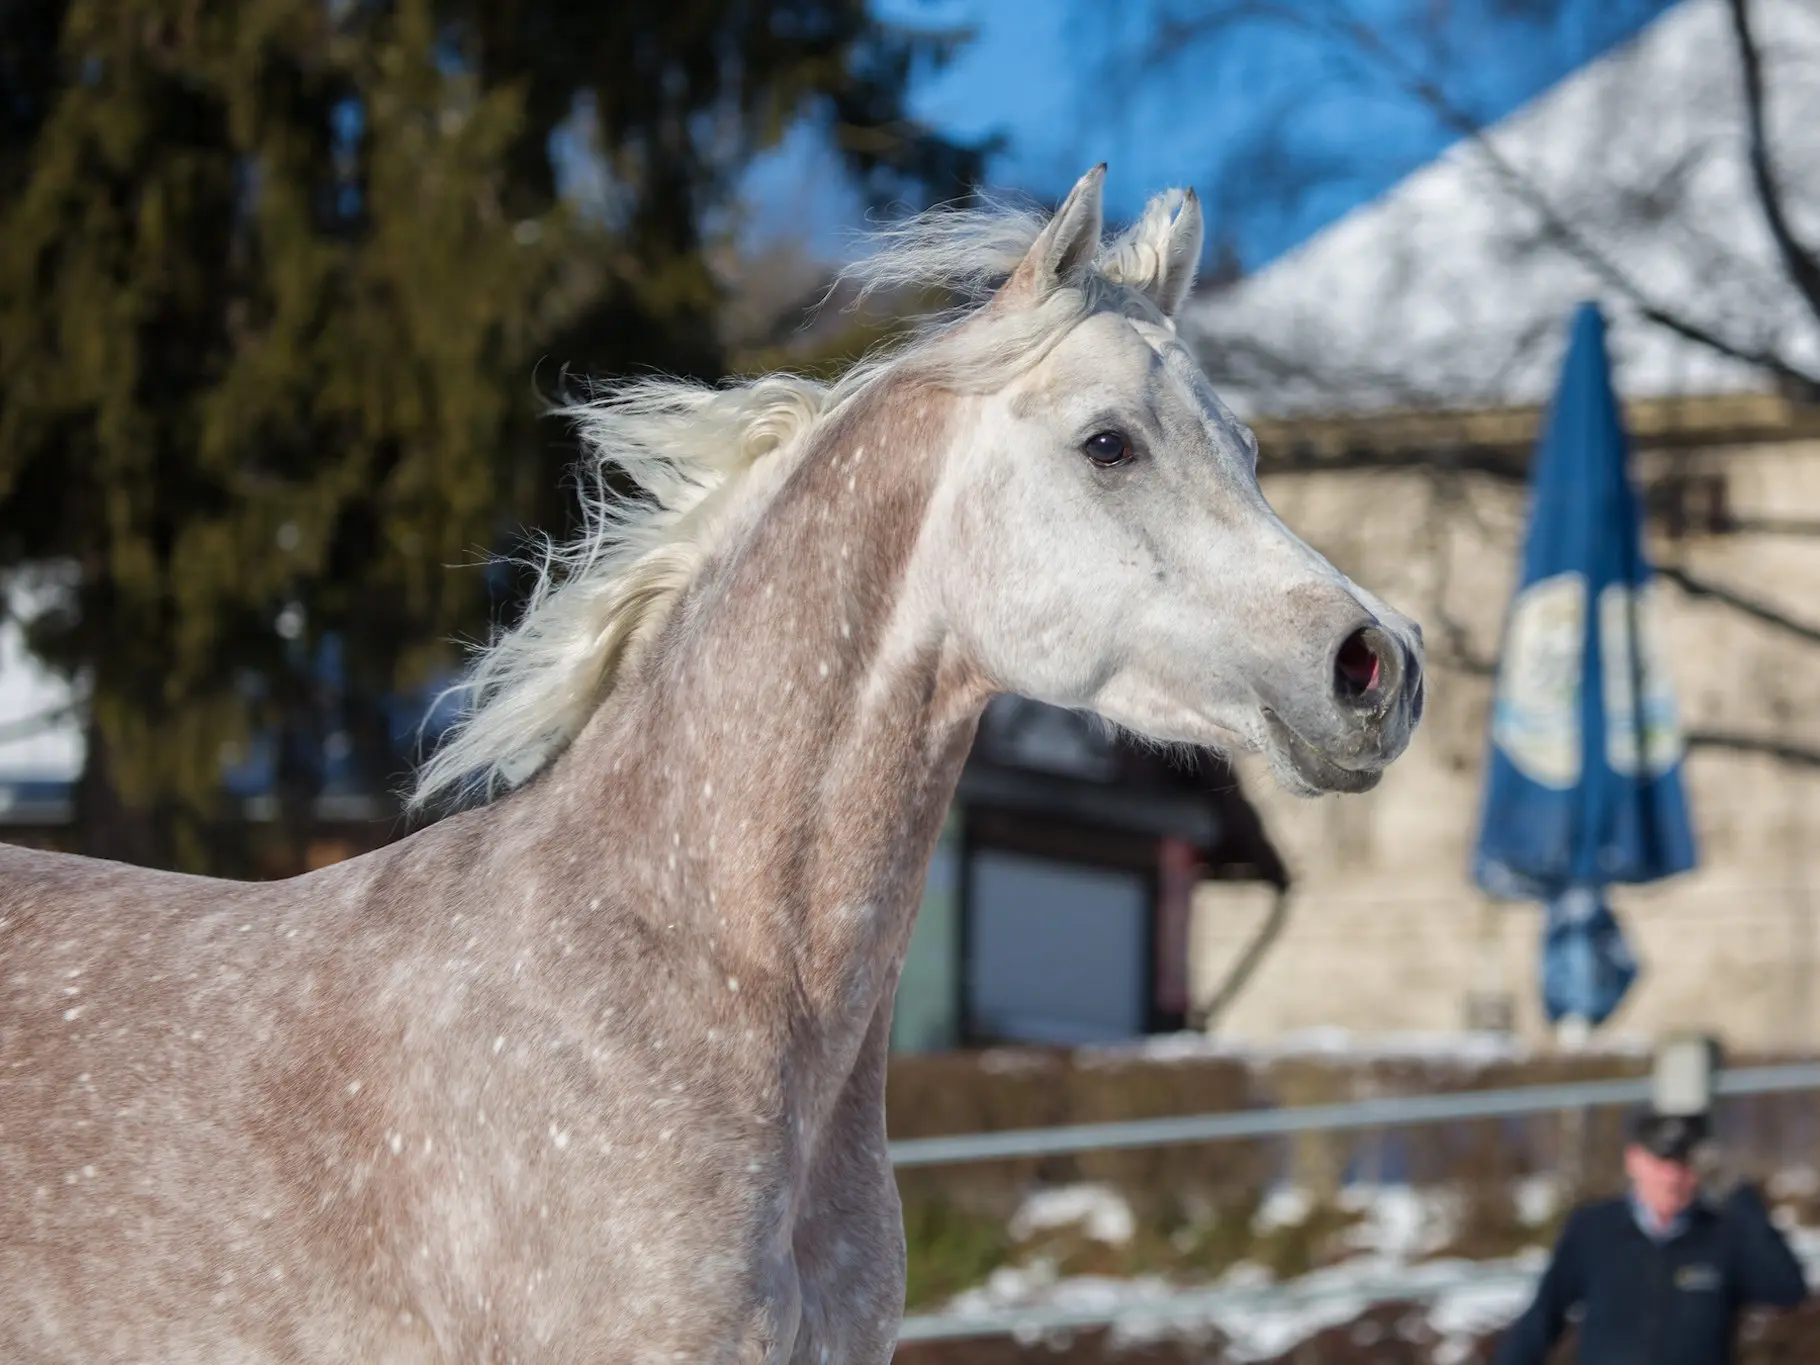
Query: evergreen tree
[(274, 276)]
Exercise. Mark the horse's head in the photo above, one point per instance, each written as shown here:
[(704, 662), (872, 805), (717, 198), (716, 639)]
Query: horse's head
[(1087, 524), (1112, 548)]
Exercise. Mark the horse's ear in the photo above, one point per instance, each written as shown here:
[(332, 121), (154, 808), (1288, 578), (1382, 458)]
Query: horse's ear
[(1179, 257), (1066, 247)]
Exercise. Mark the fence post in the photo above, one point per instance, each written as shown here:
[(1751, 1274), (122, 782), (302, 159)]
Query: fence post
[(1571, 1137), (1314, 1161)]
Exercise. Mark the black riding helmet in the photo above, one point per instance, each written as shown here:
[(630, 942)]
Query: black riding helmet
[(1672, 1137)]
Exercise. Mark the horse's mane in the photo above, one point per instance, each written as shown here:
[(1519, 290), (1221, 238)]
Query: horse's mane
[(686, 449)]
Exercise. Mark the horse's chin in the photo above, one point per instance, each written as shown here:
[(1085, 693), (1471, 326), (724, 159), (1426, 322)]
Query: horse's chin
[(1303, 770)]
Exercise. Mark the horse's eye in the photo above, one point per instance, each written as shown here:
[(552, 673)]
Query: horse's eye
[(1107, 449)]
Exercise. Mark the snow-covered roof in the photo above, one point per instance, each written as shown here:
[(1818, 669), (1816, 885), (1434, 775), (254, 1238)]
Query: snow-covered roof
[(1451, 289)]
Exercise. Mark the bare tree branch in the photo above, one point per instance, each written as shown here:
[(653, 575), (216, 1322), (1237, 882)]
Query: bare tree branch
[(1773, 526), (1762, 612), (1458, 652), (1206, 1015), (1464, 459), (1570, 238), (1593, 223), (1803, 267), (1335, 22), (43, 722), (1455, 653), (1800, 755)]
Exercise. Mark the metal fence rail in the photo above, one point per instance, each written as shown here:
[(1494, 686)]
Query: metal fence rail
[(1326, 1118)]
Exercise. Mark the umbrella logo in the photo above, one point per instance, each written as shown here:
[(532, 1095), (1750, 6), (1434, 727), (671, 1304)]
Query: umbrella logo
[(1536, 713), (1628, 615)]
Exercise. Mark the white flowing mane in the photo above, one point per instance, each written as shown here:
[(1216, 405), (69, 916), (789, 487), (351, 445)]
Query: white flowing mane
[(688, 447)]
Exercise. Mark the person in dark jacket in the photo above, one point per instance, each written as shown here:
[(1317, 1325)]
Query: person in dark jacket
[(1662, 1272)]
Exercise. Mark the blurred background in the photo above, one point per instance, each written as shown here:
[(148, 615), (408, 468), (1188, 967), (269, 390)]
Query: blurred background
[(284, 285)]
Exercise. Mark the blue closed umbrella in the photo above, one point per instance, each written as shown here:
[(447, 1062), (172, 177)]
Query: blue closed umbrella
[(1583, 775)]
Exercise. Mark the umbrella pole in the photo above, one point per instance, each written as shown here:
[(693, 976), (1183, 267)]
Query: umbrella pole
[(1572, 1033), (1571, 1135)]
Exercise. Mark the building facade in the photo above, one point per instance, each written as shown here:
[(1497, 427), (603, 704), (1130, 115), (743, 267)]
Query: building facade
[(1387, 932)]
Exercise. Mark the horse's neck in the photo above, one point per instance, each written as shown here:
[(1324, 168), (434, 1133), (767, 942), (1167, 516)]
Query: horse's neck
[(780, 765)]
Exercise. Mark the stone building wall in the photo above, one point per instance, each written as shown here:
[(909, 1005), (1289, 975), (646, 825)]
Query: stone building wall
[(1386, 931)]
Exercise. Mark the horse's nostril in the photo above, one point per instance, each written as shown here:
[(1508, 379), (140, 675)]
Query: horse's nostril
[(1358, 668)]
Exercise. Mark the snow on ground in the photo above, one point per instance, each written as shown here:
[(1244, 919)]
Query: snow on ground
[(1397, 1232), (1284, 1206), (1099, 1211), (1256, 1318), (1796, 1182), (1537, 1198), (1399, 1223), (1395, 1221)]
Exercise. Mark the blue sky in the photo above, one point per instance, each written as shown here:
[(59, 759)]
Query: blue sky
[(1233, 115)]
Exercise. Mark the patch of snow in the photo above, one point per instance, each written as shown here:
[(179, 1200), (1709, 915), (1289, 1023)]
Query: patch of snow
[(1538, 1199), (1472, 1310), (1246, 1275), (1284, 1206), (1796, 1182), (1038, 1285), (1013, 1061), (1805, 1243), (1257, 1318), (1399, 1222), (1012, 1283), (1259, 1321), (1099, 1211)]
